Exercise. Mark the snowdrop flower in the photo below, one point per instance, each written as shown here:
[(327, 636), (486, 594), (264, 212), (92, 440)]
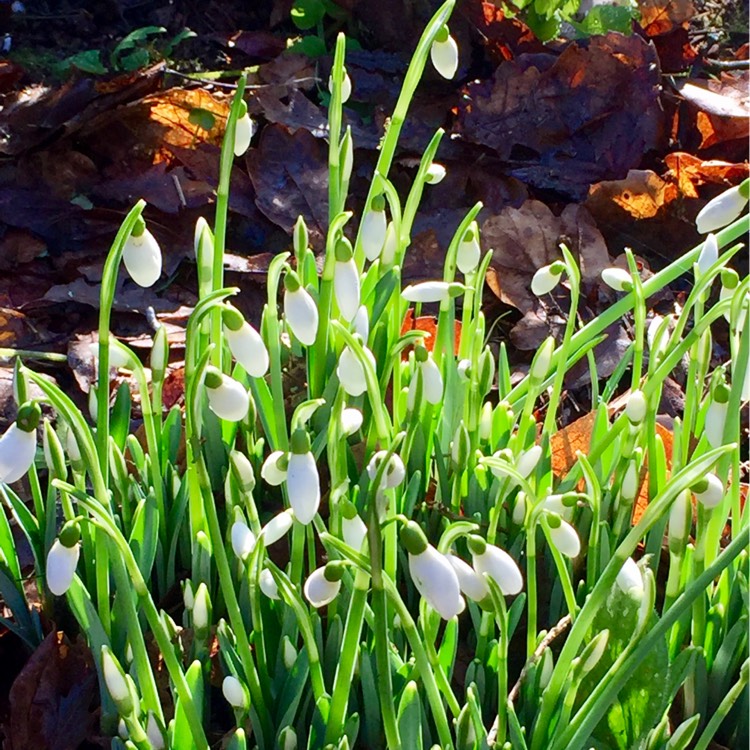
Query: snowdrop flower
[(435, 173), (227, 398), (497, 564), (351, 421), (287, 739), (353, 528), (729, 281), (485, 422), (444, 53), (373, 228), (351, 373), (680, 519), (142, 256), (361, 323), (542, 360), (54, 456), (159, 358), (245, 343), (323, 585), (154, 732), (62, 559), (464, 370), (188, 595), (268, 584), (274, 468), (116, 682), (460, 447), (388, 254), (723, 209), (519, 508), (469, 252), (118, 355), (242, 470), (618, 279), (716, 415), (709, 491), (277, 527), (234, 692), (18, 444), (346, 86), (202, 608), (394, 473), (563, 536), (244, 130), (472, 584), (346, 281), (636, 408), (302, 480), (243, 539), (288, 652), (432, 291), (709, 253), (528, 460), (432, 379), (547, 278), (629, 486), (630, 579), (300, 310), (432, 573)]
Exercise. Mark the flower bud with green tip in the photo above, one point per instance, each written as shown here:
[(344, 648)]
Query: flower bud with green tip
[(300, 310), (202, 611), (373, 228), (485, 422), (716, 414), (142, 256), (243, 539), (432, 573), (268, 584), (542, 360), (432, 291), (346, 280), (353, 528), (709, 491), (444, 53), (563, 536), (435, 173), (18, 443), (117, 683), (618, 279), (323, 584), (469, 252), (460, 448), (242, 471), (227, 398), (274, 468), (723, 209), (302, 479), (629, 485), (547, 278), (287, 739), (636, 407), (188, 594), (62, 559), (159, 354), (709, 253), (245, 343), (351, 421), (54, 455), (346, 86), (497, 564), (630, 579), (593, 652), (235, 693), (244, 130)]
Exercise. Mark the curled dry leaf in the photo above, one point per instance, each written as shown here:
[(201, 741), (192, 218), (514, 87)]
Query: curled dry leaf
[(690, 172), (662, 16)]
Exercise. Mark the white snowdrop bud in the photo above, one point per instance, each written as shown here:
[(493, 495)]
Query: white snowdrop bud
[(432, 291), (62, 560), (114, 679), (274, 468), (245, 343), (716, 415), (519, 509), (394, 473), (485, 422), (432, 380), (528, 460), (154, 732), (302, 479), (444, 53), (630, 579), (54, 456), (243, 539), (654, 344), (629, 486), (361, 323), (202, 608), (234, 692), (288, 652), (435, 173), (709, 491), (323, 585), (563, 536), (723, 209), (346, 86), (497, 564), (542, 360), (242, 470), (390, 245), (188, 595), (300, 310), (244, 130), (594, 651), (547, 278), (227, 398), (159, 358), (277, 528), (351, 421), (351, 373), (618, 279), (353, 528), (373, 228), (268, 584), (432, 573), (93, 403), (122, 729), (637, 407), (680, 519), (469, 252), (464, 370), (709, 253), (472, 584), (287, 739), (729, 281), (346, 281), (142, 256), (18, 444)]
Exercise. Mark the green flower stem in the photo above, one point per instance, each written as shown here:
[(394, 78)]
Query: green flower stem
[(562, 571), (657, 282), (656, 509), (718, 716), (639, 319), (342, 682), (222, 207), (335, 200), (576, 734), (441, 678), (532, 605), (594, 492), (501, 618), (413, 76)]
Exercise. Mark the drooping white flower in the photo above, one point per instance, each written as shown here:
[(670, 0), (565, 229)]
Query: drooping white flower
[(244, 130), (300, 310), (62, 562), (709, 253), (353, 528), (637, 407), (277, 527), (497, 564), (431, 291), (373, 228), (472, 584), (469, 252), (435, 173), (18, 444), (245, 343), (444, 53), (346, 87), (243, 539), (361, 323), (432, 379), (629, 486), (527, 461), (302, 479), (729, 281), (142, 256), (709, 491), (351, 373), (272, 472), (351, 421), (630, 579), (234, 692), (268, 585), (227, 398), (618, 279), (716, 415), (564, 537), (394, 473), (346, 288), (723, 209), (547, 278), (323, 584)]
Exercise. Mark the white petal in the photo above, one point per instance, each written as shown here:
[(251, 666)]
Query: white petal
[(301, 315), (394, 473), (432, 381), (248, 348), (519, 508), (233, 692), (436, 580), (372, 233), (565, 538), (17, 451), (720, 211), (444, 56), (277, 527), (468, 255), (427, 291), (142, 258), (390, 245), (716, 417), (154, 733), (544, 281), (435, 174), (268, 584), (616, 278), (270, 470), (346, 87), (636, 407), (528, 460), (351, 373), (709, 253), (472, 584), (346, 288), (303, 486), (713, 494), (113, 678), (61, 567), (354, 532), (630, 579), (680, 517), (629, 486), (230, 400), (351, 420), (501, 567), (243, 539), (361, 323), (243, 134), (320, 591)]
